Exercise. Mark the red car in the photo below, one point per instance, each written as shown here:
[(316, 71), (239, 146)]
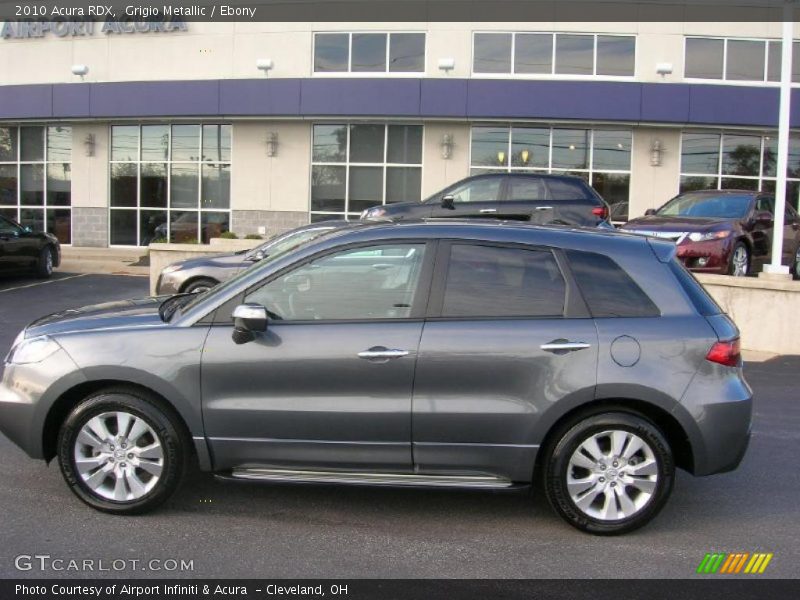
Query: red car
[(722, 231)]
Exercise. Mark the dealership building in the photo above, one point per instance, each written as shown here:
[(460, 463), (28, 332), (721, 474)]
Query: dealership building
[(124, 133)]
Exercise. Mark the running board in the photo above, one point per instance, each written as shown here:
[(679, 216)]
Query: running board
[(387, 479)]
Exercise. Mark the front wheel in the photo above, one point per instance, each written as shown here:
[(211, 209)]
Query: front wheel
[(739, 265), (199, 286), (609, 473), (44, 266), (120, 453)]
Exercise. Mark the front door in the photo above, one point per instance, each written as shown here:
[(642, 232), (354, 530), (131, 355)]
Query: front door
[(328, 385), (500, 347), (477, 197)]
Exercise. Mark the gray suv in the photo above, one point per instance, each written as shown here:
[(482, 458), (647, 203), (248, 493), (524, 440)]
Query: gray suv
[(446, 354)]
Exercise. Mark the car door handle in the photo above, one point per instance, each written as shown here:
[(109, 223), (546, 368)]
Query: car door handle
[(544, 208), (564, 346), (381, 352), (488, 210)]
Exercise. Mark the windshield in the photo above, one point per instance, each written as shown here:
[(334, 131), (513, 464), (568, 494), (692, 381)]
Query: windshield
[(726, 206), (274, 248)]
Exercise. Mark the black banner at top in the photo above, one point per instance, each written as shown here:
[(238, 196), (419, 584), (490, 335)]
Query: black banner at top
[(396, 10)]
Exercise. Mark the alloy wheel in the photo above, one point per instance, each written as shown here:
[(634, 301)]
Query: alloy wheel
[(612, 475), (119, 456), (740, 261)]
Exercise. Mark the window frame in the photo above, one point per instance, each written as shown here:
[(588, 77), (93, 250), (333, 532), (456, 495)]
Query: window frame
[(724, 79), (386, 73), (552, 74), (574, 305), (384, 165), (418, 305), (760, 179), (168, 164), (44, 162)]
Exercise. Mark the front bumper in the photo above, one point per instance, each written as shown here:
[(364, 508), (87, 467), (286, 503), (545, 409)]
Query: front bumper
[(28, 392), (169, 283), (712, 256)]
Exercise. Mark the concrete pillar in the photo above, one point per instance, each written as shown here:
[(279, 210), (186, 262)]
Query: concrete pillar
[(90, 185), (652, 186)]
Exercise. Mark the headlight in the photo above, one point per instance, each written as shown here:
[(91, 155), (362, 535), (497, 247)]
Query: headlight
[(171, 268), (33, 350), (698, 236)]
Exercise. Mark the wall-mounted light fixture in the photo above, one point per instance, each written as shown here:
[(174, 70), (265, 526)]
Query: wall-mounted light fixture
[(656, 150), (447, 146), (664, 69), (447, 64), (264, 64), (525, 155), (501, 158), (89, 143), (80, 70), (272, 143)]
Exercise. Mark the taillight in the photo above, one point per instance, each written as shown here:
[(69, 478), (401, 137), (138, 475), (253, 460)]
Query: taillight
[(600, 211), (725, 353)]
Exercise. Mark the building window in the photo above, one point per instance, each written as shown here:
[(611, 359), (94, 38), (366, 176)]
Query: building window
[(568, 54), (369, 52), (717, 160), (601, 157), (35, 178), (737, 59), (355, 167), (169, 183)]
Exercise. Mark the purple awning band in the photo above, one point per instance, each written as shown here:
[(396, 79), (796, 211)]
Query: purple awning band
[(472, 99)]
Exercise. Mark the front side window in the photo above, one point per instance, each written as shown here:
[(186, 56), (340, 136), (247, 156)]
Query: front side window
[(36, 178), (355, 167), (369, 52), (490, 281), (569, 54), (169, 183), (366, 283), (481, 190), (601, 157)]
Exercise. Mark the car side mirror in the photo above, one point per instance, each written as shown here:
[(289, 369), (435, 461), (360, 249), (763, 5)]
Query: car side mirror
[(649, 212), (448, 202), (257, 256), (763, 217), (247, 320)]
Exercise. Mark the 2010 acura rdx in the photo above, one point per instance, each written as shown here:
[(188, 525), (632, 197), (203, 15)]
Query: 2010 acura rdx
[(443, 354)]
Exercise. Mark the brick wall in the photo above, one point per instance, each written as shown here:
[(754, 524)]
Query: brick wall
[(244, 222), (89, 227)]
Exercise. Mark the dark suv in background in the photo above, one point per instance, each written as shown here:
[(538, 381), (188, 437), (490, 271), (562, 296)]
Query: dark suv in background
[(537, 198), (23, 250)]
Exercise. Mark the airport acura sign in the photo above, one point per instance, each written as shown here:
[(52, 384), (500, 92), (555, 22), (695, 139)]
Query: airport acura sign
[(17, 30)]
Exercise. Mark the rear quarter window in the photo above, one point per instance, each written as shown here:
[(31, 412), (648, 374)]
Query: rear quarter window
[(702, 302), (607, 289)]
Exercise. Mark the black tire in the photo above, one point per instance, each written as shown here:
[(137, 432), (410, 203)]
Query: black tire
[(174, 446), (44, 266), (739, 247), (567, 441), (200, 285)]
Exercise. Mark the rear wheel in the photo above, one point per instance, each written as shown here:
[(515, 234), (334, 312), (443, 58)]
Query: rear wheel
[(739, 265), (200, 285), (120, 453), (44, 266), (609, 473)]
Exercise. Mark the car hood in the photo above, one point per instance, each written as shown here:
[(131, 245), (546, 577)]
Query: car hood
[(656, 224), (214, 260), (139, 312)]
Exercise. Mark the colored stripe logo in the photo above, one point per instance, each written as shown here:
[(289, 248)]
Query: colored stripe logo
[(723, 563)]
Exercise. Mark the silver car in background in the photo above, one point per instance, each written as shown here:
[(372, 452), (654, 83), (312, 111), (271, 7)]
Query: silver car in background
[(200, 274)]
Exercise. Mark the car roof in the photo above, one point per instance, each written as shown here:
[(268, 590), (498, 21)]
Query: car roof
[(527, 174)]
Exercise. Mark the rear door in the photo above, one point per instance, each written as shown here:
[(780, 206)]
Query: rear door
[(504, 340), (550, 200)]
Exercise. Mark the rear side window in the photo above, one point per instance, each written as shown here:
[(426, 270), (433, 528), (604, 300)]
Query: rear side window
[(608, 290), (526, 188), (561, 189), (491, 281), (704, 304)]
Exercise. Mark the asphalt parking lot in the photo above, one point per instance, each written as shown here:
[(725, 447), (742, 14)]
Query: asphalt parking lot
[(252, 530)]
